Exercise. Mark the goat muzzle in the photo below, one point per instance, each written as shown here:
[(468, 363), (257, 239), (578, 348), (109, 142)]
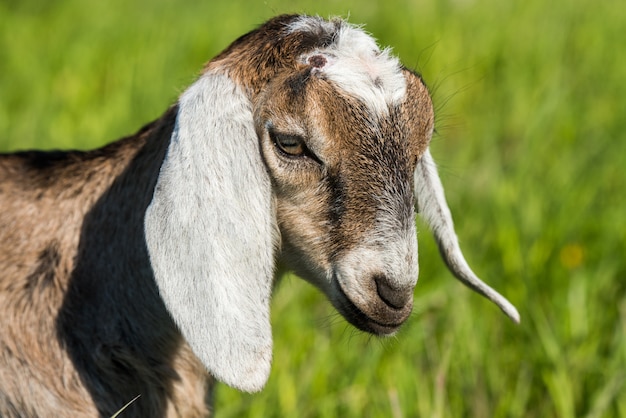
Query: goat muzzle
[(374, 305)]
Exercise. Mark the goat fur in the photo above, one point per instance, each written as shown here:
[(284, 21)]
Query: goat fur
[(146, 267)]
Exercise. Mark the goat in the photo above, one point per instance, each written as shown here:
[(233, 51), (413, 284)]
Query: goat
[(147, 266)]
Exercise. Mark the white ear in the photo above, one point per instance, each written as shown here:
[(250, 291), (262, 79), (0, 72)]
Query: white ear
[(432, 206), (210, 232)]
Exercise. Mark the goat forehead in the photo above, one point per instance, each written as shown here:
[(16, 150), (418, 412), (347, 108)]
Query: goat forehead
[(355, 137), (354, 62)]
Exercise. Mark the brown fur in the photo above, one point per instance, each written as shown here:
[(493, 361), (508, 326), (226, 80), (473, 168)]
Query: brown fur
[(83, 329)]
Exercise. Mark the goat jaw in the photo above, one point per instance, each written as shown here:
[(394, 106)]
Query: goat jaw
[(432, 206)]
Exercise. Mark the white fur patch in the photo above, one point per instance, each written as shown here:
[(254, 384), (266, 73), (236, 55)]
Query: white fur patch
[(356, 64)]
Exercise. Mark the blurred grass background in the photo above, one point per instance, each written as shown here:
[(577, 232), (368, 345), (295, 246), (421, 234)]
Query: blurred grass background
[(531, 102)]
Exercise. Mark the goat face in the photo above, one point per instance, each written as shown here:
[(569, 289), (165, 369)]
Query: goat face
[(302, 132), (342, 173)]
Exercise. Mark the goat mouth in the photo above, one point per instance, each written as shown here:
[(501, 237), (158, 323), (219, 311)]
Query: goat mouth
[(363, 321)]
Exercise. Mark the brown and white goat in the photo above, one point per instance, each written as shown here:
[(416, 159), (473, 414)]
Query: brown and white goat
[(146, 267)]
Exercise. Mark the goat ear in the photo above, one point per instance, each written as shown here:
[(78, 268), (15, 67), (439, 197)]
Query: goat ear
[(432, 206), (210, 233)]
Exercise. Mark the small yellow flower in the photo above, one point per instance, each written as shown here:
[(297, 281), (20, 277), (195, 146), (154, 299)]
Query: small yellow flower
[(572, 256)]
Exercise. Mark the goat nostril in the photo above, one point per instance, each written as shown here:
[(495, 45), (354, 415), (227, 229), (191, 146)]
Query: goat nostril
[(394, 297)]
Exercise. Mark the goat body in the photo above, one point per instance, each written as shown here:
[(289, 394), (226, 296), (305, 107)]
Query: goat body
[(146, 267), (83, 329)]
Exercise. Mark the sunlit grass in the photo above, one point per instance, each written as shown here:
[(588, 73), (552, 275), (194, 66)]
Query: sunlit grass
[(532, 151)]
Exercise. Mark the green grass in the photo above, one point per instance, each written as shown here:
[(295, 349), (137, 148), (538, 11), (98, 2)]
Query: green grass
[(531, 101)]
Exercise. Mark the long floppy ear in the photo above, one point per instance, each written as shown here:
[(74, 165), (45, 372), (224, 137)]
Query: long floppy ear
[(210, 232), (432, 206)]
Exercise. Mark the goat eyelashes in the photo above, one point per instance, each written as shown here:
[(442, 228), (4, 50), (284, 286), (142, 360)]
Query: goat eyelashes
[(146, 267)]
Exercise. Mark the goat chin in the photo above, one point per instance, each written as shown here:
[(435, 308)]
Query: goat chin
[(146, 267)]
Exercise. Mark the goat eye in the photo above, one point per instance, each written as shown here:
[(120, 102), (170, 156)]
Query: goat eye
[(292, 145)]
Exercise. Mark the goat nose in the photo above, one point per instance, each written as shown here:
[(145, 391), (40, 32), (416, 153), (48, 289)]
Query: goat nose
[(395, 297)]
